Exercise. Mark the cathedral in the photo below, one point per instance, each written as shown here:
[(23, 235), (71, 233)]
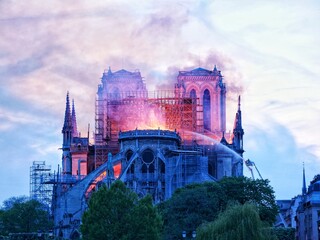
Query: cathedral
[(155, 142)]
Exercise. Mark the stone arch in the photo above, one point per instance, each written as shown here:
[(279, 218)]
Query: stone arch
[(193, 86), (208, 87)]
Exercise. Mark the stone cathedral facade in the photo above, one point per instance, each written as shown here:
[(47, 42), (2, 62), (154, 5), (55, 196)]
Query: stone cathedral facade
[(155, 142)]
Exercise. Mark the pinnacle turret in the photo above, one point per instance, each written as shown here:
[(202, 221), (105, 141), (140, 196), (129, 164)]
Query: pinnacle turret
[(109, 71), (238, 120), (238, 131), (74, 121), (67, 116)]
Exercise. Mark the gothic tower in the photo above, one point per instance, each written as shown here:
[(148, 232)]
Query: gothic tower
[(207, 86), (114, 87)]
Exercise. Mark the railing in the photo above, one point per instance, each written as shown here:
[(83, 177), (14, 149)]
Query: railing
[(149, 133)]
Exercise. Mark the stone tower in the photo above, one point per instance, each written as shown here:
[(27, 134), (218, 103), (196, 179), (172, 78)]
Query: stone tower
[(208, 87)]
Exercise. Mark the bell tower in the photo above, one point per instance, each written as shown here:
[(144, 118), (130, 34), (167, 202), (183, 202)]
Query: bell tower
[(208, 87)]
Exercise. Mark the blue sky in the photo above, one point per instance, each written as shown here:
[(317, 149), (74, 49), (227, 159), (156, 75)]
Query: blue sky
[(268, 52)]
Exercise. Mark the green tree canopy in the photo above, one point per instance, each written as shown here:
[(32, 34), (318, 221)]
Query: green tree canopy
[(259, 192), (20, 215), (191, 206), (196, 204), (118, 214), (239, 222)]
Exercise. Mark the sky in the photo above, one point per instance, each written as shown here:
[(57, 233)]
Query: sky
[(268, 52)]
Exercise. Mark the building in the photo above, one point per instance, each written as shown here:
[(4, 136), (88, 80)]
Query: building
[(303, 211), (308, 212), (155, 142)]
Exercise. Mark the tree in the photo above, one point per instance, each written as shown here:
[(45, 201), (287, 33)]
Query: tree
[(20, 215), (284, 233), (145, 221), (239, 222), (117, 213), (258, 192), (196, 204), (191, 206)]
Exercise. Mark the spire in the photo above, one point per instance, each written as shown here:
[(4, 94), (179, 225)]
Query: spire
[(109, 71), (74, 121), (238, 120), (238, 132), (215, 68), (304, 188), (67, 116)]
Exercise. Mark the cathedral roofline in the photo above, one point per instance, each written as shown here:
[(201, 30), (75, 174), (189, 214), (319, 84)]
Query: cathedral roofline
[(201, 72), (120, 73)]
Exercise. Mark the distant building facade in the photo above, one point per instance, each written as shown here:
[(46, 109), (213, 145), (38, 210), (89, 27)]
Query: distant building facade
[(308, 212), (302, 212)]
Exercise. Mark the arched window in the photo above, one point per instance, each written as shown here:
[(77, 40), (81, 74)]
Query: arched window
[(144, 168), (193, 93), (125, 163), (206, 110), (147, 161), (162, 166), (129, 154), (151, 168), (116, 94)]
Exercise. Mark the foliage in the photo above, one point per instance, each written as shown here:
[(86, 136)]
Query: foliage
[(239, 222), (116, 213), (284, 233), (196, 204), (8, 203), (20, 215), (258, 192), (191, 206)]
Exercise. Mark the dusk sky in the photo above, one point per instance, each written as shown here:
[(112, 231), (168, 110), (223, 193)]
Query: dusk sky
[(268, 52)]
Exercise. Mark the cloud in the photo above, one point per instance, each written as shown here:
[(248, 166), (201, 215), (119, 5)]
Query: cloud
[(49, 49), (279, 156)]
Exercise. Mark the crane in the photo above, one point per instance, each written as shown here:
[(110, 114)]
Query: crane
[(251, 164)]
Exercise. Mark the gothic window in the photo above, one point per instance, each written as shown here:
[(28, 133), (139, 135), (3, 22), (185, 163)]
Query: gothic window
[(162, 167), (151, 168), (147, 156), (147, 161), (129, 155), (116, 94), (193, 93), (144, 168), (206, 110)]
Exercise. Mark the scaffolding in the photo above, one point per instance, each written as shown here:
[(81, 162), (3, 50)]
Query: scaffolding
[(40, 175), (140, 110)]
